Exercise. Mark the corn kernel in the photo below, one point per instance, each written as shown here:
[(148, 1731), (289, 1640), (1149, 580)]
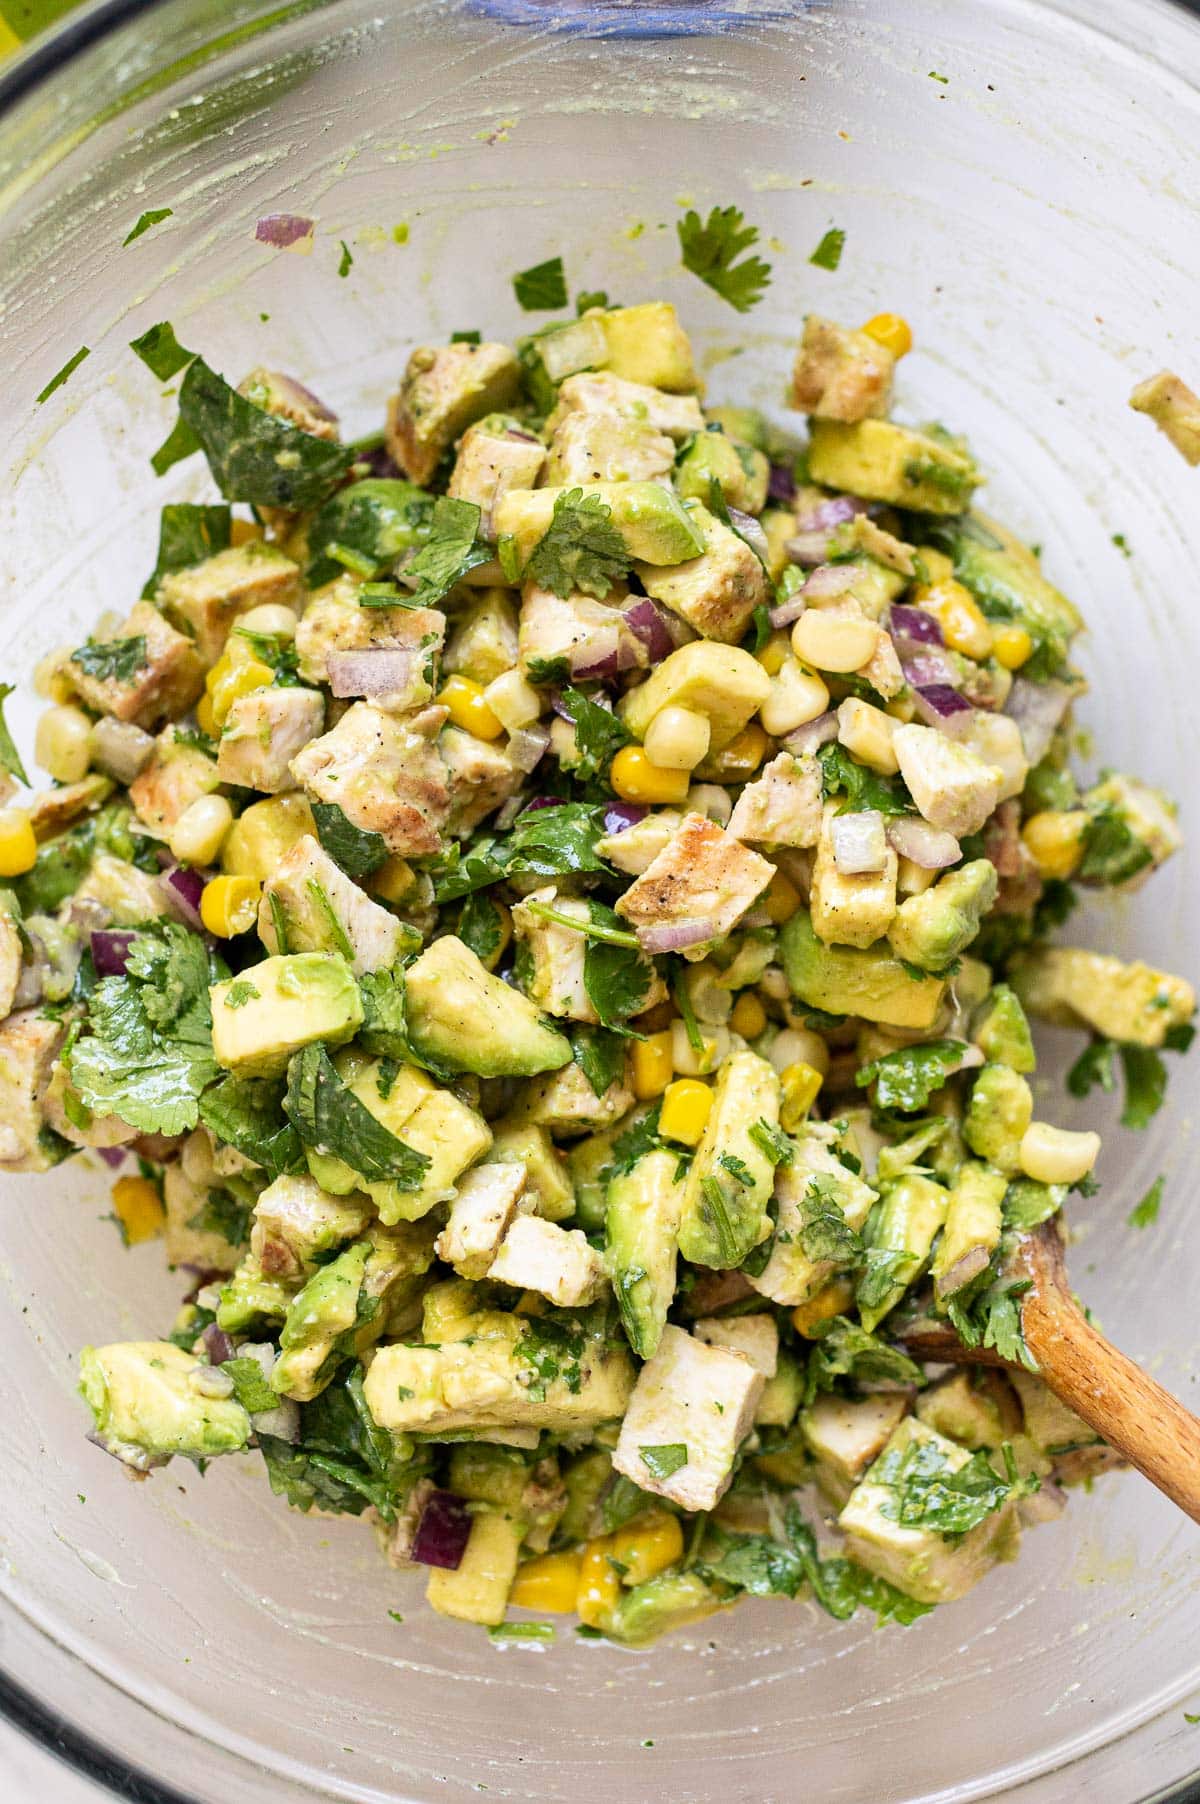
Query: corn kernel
[(51, 676), (837, 642), (636, 779), (834, 1298), (797, 696), (241, 532), (677, 739), (469, 709), (652, 1065), (228, 681), (690, 1061), (1053, 1155), (799, 1046), (138, 1207), (801, 1086), (749, 1017), (513, 701), (686, 1107), (550, 1582), (599, 1590), (738, 761), (781, 899), (774, 652), (18, 847), (229, 905), (955, 609), (868, 735), (393, 880), (272, 617), (62, 744), (1011, 646), (647, 1546), (891, 331), (198, 834), (206, 720), (1055, 839)]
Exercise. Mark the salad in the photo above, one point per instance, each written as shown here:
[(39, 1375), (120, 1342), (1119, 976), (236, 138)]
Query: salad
[(543, 907)]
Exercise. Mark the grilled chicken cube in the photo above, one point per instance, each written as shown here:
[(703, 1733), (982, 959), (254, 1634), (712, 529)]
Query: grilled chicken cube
[(385, 774), (604, 447), (674, 415), (953, 788), (323, 910), (484, 1204), (565, 1103), (755, 1337), (297, 1224), (840, 374), (177, 775), (693, 1397), (333, 623), (263, 732), (557, 954), (10, 963), (494, 455), (445, 389), (168, 676), (481, 776), (556, 1262), (586, 633), (717, 592), (206, 600), (702, 875), (29, 1044), (782, 807)]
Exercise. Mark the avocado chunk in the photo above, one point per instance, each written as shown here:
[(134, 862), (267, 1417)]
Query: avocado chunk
[(665, 1602), (641, 1225), (899, 1238), (263, 835), (724, 1210), (783, 1393), (1008, 585), (547, 1174), (975, 1408), (318, 1317), (463, 1018), (476, 1590), (846, 980), (590, 1164), (251, 1297), (280, 1005), (647, 344), (1069, 987), (445, 389), (716, 591), (150, 1401), (651, 520), (722, 682), (1000, 1109), (739, 471), (744, 424), (974, 1217), (931, 930), (884, 462), (1000, 1029)]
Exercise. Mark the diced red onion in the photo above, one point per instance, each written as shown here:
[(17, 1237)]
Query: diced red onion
[(749, 529), (828, 580), (931, 665), (781, 483), (283, 230), (540, 802), (648, 621), (1038, 709), (602, 670), (623, 815), (859, 842), (443, 1531), (813, 734), (834, 511), (524, 438), (789, 610), (121, 749), (808, 548), (183, 889), (110, 951), (375, 670), (915, 626), (112, 1156), (527, 747), (604, 655), (922, 844), (217, 1345), (674, 936), (378, 461), (944, 708)]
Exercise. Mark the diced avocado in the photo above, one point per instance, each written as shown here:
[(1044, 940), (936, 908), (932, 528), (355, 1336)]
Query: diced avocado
[(462, 1017), (844, 980), (296, 999), (487, 1474), (931, 930), (1000, 1109), (661, 1604), (584, 1478), (797, 1267), (884, 462), (263, 834), (846, 1434), (476, 1590), (930, 1567), (647, 344), (251, 1297), (1001, 1031), (547, 1174), (1049, 1424), (976, 1408), (317, 1318), (296, 1224), (483, 642), (590, 1163), (1146, 832), (548, 357), (149, 1402), (729, 1183), (445, 388), (974, 1217), (740, 472), (722, 682), (716, 591), (651, 520), (1008, 585), (900, 1236), (782, 1393), (1069, 987), (745, 424), (644, 1206)]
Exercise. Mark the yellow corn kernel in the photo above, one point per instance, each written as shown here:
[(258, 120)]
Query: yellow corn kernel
[(469, 709), (1055, 838), (954, 607), (1054, 1155), (837, 642), (206, 720), (1011, 646), (690, 1061), (636, 779), (781, 899), (647, 1546), (198, 834), (652, 1066), (891, 331), (677, 739), (599, 1589), (797, 696), (241, 532), (393, 880), (228, 682), (50, 676), (834, 1298), (138, 1207), (550, 1582), (229, 905), (18, 847), (801, 1085), (271, 617), (62, 743), (742, 756), (749, 1017), (687, 1105), (774, 652)]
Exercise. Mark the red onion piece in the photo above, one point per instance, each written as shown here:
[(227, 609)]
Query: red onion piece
[(781, 483), (183, 889), (112, 1156), (922, 844), (829, 580), (649, 623), (915, 625), (110, 950), (443, 1531), (930, 666), (789, 610), (602, 671), (1038, 709), (859, 842), (674, 936), (944, 708), (834, 511), (540, 802), (749, 529), (623, 815), (813, 734), (527, 747), (283, 230), (808, 548), (217, 1345), (376, 670)]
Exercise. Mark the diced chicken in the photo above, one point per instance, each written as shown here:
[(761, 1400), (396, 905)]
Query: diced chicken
[(603, 447), (495, 455), (953, 788), (565, 1103), (717, 592), (10, 963), (996, 738), (99, 1131), (385, 774), (207, 600), (481, 776), (847, 1434), (55, 809), (790, 1277), (864, 534), (165, 683), (445, 389), (755, 1337), (483, 1207), (309, 889), (635, 848), (334, 622), (130, 896), (1175, 410), (558, 954), (398, 1537), (548, 1188), (675, 415), (782, 807), (840, 374), (483, 644), (703, 874), (850, 909), (176, 776), (289, 400), (883, 669), (295, 1222), (29, 1044), (693, 1396), (263, 732), (587, 633), (556, 1262), (186, 1240)]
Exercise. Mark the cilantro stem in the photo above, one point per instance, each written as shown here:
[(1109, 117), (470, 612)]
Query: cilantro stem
[(612, 936), (683, 1003)]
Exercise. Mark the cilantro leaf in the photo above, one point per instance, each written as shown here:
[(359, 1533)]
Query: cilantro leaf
[(617, 978), (600, 1055), (599, 734), (179, 443), (828, 253), (640, 1138), (580, 549), (10, 757), (328, 1117), (345, 261), (358, 851), (451, 550), (1112, 852), (710, 249), (480, 926), (67, 371), (840, 1586), (662, 1461), (926, 1492), (544, 673), (772, 1142), (992, 1318), (112, 660), (543, 288), (151, 217), (1093, 1066), (187, 534), (845, 1349), (254, 455), (161, 351), (1145, 1213), (550, 842), (1145, 1085), (884, 1268), (1027, 1203), (553, 1346), (906, 1079), (225, 1214), (755, 1564), (250, 1388), (841, 775), (1179, 1038), (824, 1233), (365, 527), (247, 1114)]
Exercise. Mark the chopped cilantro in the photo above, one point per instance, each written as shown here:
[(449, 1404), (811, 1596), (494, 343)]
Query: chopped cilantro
[(710, 249), (10, 757), (345, 261), (465, 338), (151, 217), (927, 1493), (662, 1461), (1145, 1085), (187, 534), (828, 253), (240, 993), (249, 1386), (600, 1055), (772, 1142), (846, 1349), (357, 850), (599, 734), (906, 1079), (543, 288), (452, 549), (161, 351), (247, 1114), (179, 443), (580, 549), (327, 1115), (1145, 1213), (825, 1236), (69, 367), (253, 454), (841, 775)]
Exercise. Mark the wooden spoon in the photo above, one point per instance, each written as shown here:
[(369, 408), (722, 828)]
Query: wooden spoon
[(1116, 1398)]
